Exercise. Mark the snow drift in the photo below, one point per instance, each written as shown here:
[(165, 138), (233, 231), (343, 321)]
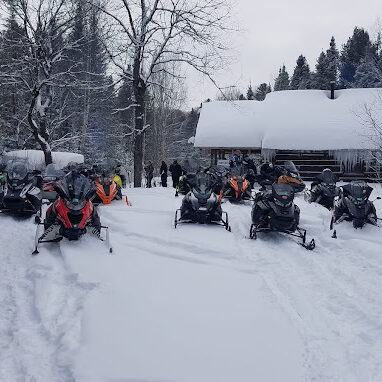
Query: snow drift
[(290, 120)]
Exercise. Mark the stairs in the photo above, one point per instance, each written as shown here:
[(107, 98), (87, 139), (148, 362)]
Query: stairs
[(311, 163)]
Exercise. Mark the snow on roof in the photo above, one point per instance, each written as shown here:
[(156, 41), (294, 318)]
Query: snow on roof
[(36, 157), (290, 120)]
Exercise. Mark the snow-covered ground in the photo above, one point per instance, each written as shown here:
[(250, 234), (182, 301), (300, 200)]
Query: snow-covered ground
[(193, 304)]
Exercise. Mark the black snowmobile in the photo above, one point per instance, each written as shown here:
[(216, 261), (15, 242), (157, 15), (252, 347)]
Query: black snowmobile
[(22, 190), (323, 190), (72, 215), (201, 204), (269, 174), (353, 204), (275, 211)]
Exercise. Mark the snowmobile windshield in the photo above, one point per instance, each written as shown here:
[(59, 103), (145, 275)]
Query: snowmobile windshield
[(328, 177), (358, 190), (52, 172), (291, 167), (238, 171), (202, 183), (283, 193), (76, 189), (17, 170)]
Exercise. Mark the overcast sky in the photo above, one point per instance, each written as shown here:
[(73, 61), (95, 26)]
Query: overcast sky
[(278, 31)]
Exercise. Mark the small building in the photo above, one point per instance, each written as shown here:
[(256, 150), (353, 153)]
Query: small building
[(314, 128)]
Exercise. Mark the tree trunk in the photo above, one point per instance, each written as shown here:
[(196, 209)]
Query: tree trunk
[(40, 132), (139, 140)]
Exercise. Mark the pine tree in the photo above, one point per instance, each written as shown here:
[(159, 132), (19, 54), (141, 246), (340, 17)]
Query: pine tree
[(332, 62), (282, 81), (261, 92), (320, 77), (250, 93), (352, 54), (368, 73), (13, 104), (301, 74)]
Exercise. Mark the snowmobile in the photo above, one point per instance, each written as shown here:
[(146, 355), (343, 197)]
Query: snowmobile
[(353, 204), (219, 174), (269, 174), (323, 189), (184, 185), (201, 204), (106, 189), (21, 192), (292, 176), (52, 174), (275, 211), (237, 188), (72, 215)]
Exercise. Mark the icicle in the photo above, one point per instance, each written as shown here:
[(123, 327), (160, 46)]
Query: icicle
[(268, 154)]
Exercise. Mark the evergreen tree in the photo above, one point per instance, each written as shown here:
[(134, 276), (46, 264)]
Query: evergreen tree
[(250, 93), (332, 63), (269, 88), (301, 74), (13, 104), (320, 77), (261, 92), (352, 54), (241, 97), (282, 81), (368, 73)]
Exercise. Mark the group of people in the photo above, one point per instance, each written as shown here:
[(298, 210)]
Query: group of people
[(175, 169)]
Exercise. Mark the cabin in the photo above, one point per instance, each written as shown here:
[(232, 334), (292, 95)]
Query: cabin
[(315, 129)]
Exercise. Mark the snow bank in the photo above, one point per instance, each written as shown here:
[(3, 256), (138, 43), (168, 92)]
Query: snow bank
[(290, 120), (36, 157)]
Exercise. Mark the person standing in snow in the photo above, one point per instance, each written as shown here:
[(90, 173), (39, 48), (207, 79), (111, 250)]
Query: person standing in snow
[(250, 169), (176, 172), (121, 171), (163, 174), (149, 169)]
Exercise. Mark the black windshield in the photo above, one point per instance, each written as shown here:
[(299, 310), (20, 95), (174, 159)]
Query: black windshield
[(75, 188), (328, 177), (358, 189), (291, 167), (202, 182)]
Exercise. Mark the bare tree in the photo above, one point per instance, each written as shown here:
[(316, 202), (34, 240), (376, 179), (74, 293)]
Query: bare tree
[(371, 118), (50, 73), (153, 33)]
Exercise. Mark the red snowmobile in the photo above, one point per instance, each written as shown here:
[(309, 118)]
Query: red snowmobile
[(72, 214)]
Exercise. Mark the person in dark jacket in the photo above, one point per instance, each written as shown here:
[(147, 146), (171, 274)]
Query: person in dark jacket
[(176, 172), (163, 174), (250, 169), (149, 168)]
